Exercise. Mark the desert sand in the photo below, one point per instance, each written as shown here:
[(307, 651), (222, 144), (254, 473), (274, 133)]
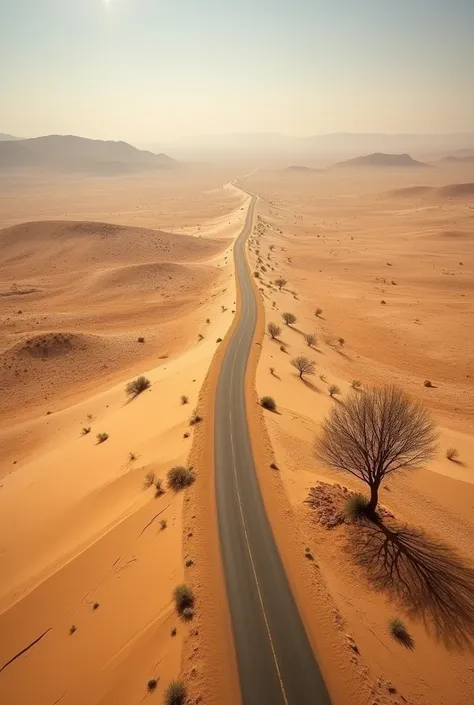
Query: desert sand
[(387, 255), (89, 557)]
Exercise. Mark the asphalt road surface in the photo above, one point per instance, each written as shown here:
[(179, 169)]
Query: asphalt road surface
[(275, 661)]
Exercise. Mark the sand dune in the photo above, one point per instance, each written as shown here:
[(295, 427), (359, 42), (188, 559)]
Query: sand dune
[(436, 193), (89, 291), (394, 280)]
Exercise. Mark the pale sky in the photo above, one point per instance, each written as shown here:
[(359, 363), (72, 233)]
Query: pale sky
[(145, 70)]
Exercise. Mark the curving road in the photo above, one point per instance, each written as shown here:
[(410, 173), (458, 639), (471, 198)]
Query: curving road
[(275, 661)]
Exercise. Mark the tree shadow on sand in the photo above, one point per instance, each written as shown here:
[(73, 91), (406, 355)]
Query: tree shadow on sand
[(426, 576)]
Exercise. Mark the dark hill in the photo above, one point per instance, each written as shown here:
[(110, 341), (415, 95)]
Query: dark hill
[(67, 153), (379, 159)]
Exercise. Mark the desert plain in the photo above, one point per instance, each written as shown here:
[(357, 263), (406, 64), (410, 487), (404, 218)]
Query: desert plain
[(102, 280)]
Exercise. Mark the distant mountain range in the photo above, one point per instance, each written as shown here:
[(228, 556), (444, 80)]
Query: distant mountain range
[(4, 137), (342, 145), (379, 159), (67, 153)]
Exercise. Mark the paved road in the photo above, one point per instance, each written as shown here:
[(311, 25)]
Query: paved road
[(275, 660)]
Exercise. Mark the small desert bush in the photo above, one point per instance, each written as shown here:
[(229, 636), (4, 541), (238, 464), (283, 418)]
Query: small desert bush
[(151, 685), (282, 348), (159, 489), (355, 506), (184, 399), (180, 477), (195, 418), (141, 339), (268, 403), (102, 437), (427, 383), (341, 342), (333, 389), (189, 562), (176, 693), (310, 339), (163, 524), (149, 480), (183, 598), (399, 631), (356, 384), (132, 457), (318, 312), (137, 386), (274, 330), (208, 320), (272, 370), (289, 318), (256, 275), (452, 454), (322, 378), (86, 430)]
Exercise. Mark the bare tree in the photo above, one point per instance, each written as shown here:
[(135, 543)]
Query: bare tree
[(289, 318), (310, 339), (273, 329), (304, 365), (377, 433), (280, 282)]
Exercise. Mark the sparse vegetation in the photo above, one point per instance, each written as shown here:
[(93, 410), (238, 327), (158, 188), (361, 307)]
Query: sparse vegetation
[(85, 430), (283, 348), (208, 320), (176, 693), (137, 386), (427, 383), (102, 437), (132, 457), (174, 631), (374, 434), (272, 370), (322, 378), (180, 477), (141, 339), (184, 399), (149, 480), (159, 489), (318, 312), (219, 340), (399, 631), (341, 342), (274, 330), (280, 282), (310, 339), (195, 418), (356, 384), (72, 629), (304, 365), (96, 606), (452, 454), (355, 506), (268, 403), (183, 598), (256, 275), (333, 389), (289, 318), (189, 562), (152, 685), (163, 524)]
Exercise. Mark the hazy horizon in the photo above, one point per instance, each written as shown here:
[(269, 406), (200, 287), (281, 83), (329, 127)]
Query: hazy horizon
[(144, 71)]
